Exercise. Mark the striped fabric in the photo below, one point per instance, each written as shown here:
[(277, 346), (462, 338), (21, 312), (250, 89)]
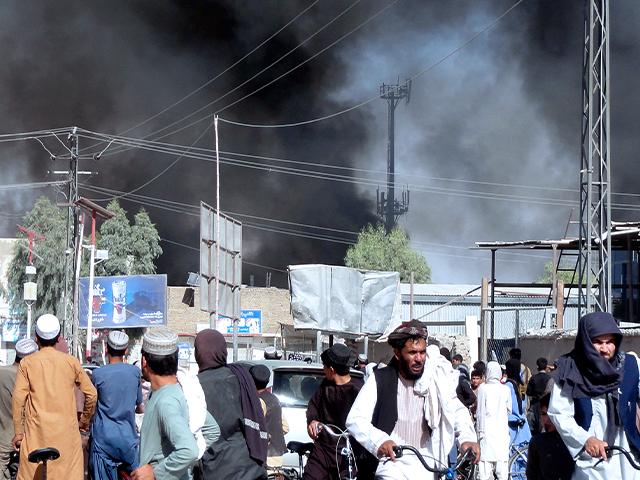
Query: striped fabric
[(411, 428)]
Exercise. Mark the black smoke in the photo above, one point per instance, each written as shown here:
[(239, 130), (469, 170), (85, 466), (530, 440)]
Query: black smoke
[(504, 109)]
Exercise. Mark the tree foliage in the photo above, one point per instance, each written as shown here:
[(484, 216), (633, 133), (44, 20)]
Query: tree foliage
[(377, 250), (563, 275), (133, 250), (49, 259)]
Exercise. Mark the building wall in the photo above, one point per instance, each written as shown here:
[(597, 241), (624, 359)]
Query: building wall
[(554, 343), (274, 303)]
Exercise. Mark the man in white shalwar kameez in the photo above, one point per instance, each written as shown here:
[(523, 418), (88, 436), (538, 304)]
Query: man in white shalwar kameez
[(413, 402), (593, 401), (494, 407)]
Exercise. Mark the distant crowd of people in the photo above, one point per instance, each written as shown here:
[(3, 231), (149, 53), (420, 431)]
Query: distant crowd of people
[(227, 423)]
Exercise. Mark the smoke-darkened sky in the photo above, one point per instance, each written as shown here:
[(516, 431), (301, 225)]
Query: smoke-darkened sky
[(484, 130)]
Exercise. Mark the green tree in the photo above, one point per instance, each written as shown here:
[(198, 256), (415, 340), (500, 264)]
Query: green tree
[(145, 245), (49, 254), (377, 250), (564, 275), (133, 249)]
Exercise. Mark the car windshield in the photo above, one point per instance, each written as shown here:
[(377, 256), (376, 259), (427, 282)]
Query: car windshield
[(294, 389)]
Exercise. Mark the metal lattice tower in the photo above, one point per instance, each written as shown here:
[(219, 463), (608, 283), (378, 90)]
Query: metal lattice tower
[(388, 207), (594, 260)]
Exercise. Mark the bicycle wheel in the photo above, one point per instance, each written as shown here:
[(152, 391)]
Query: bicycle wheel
[(518, 463)]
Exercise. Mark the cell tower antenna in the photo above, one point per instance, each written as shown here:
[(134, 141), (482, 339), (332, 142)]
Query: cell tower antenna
[(389, 208)]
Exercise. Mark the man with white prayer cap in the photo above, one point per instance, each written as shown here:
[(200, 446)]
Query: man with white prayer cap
[(8, 373), (168, 448), (44, 391), (114, 440)]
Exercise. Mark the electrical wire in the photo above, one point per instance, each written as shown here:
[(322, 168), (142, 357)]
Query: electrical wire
[(290, 232), (371, 99), (204, 107), (195, 208), (548, 201), (371, 171), (369, 182), (209, 82), (189, 247)]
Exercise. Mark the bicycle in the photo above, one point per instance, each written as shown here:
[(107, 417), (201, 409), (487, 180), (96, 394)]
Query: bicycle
[(43, 455), (518, 461), (629, 456), (346, 451), (464, 469), (302, 449), (282, 473)]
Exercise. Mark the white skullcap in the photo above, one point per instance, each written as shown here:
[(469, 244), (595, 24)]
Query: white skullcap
[(160, 341), (47, 326), (118, 340), (25, 347)]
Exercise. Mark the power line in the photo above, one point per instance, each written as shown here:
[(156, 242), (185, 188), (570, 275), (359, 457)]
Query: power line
[(354, 169), (210, 81), (189, 247), (369, 100), (190, 211), (364, 181), (246, 81)]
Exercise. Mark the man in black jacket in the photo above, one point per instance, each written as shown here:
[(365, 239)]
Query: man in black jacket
[(537, 388), (330, 405), (276, 424)]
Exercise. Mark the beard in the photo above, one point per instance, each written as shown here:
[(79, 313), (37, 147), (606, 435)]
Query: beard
[(407, 372)]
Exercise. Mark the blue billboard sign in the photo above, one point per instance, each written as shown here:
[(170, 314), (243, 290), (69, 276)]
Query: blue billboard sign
[(124, 301), (250, 323)]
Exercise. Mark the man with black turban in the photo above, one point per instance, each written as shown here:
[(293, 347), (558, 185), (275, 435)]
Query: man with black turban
[(412, 401), (593, 402)]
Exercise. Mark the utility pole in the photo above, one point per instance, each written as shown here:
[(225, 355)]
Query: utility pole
[(388, 208), (594, 259)]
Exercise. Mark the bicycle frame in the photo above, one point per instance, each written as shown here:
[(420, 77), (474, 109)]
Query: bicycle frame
[(448, 472), (346, 451)]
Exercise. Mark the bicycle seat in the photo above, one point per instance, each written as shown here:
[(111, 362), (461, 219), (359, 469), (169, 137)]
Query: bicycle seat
[(300, 448), (44, 455)]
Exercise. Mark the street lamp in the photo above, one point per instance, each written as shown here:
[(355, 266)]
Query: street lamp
[(96, 211), (29, 294)]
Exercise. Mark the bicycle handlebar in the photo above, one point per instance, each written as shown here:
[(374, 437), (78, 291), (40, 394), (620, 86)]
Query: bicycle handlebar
[(448, 472), (626, 453)]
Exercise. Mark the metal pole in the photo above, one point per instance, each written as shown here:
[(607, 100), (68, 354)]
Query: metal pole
[(366, 346), (493, 289), (517, 332), (235, 340), (390, 220), (92, 259), (411, 299), (28, 319), (76, 279), (318, 345), (217, 315)]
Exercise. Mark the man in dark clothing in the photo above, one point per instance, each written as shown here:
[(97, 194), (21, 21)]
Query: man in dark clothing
[(548, 457), (275, 422), (537, 388), (330, 405), (229, 400)]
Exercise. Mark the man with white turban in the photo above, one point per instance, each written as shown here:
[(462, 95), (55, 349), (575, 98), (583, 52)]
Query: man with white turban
[(8, 464), (44, 392)]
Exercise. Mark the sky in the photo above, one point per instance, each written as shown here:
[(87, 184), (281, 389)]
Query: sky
[(488, 144)]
